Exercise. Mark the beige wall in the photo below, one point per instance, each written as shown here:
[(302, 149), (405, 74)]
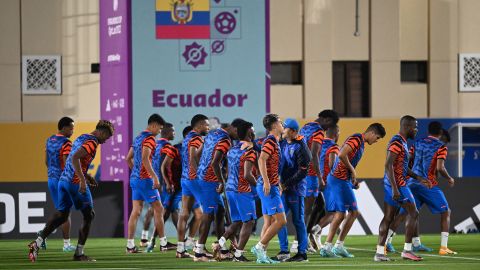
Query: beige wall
[(63, 27), (316, 32)]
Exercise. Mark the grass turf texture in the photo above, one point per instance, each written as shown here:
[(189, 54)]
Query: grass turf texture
[(110, 254)]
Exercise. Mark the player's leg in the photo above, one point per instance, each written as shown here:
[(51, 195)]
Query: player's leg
[(146, 227), (278, 220), (383, 231), (339, 248), (437, 203), (88, 216), (187, 202), (137, 206), (67, 246), (194, 226), (246, 204), (410, 225), (297, 208), (399, 219), (284, 254), (326, 250), (159, 223)]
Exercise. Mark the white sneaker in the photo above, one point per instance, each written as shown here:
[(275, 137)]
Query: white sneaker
[(294, 247)]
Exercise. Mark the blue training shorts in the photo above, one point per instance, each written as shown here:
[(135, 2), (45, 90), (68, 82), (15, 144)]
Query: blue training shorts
[(312, 186), (339, 195), (242, 206), (68, 196), (271, 204), (142, 190)]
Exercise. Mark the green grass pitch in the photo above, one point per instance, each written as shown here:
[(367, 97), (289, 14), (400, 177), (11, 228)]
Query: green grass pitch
[(110, 254)]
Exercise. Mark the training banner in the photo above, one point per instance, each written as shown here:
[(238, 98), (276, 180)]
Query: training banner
[(200, 56), (26, 207)]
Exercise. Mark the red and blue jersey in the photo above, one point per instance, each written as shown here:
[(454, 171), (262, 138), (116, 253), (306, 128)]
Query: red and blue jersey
[(398, 145), (329, 146), (217, 140), (192, 139), (313, 132), (271, 147), (56, 147), (174, 173), (157, 158), (357, 143), (89, 143), (144, 139), (236, 158), (427, 152)]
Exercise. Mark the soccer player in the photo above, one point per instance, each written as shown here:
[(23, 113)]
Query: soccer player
[(212, 182), (144, 181), (58, 147), (328, 155), (341, 180), (268, 187), (397, 193), (295, 160), (191, 151), (314, 135), (429, 155), (73, 189), (241, 181), (170, 200)]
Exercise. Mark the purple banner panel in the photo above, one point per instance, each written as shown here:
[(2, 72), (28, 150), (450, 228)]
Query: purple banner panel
[(115, 85)]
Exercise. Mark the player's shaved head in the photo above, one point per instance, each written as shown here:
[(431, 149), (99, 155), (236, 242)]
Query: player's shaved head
[(407, 120), (408, 126)]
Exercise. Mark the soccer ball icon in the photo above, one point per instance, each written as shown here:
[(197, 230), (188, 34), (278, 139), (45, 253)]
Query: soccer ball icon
[(225, 22)]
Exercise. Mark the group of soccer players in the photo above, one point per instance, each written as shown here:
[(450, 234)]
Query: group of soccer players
[(228, 177)]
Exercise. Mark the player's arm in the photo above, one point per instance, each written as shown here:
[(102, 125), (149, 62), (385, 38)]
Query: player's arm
[(391, 156), (315, 150), (247, 172), (332, 156), (262, 166), (166, 170), (77, 167), (146, 151), (217, 169), (343, 156), (130, 158), (419, 178), (441, 157), (195, 152), (66, 148)]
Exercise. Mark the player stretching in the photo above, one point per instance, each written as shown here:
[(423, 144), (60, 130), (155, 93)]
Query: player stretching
[(144, 181), (397, 193), (328, 155), (212, 182), (241, 163), (429, 156), (74, 191), (268, 189), (57, 149), (341, 179), (314, 135), (192, 147), (295, 160)]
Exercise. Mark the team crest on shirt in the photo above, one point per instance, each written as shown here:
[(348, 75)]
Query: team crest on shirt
[(291, 151), (182, 11)]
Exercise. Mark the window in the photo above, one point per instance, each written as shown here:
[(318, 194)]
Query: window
[(351, 88), (414, 72), (286, 73)]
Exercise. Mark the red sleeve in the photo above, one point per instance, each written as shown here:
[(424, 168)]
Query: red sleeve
[(169, 150), (334, 149), (251, 156), (90, 146), (353, 142), (195, 142), (318, 136), (442, 152), (223, 146), (395, 147), (268, 146), (149, 142), (66, 148)]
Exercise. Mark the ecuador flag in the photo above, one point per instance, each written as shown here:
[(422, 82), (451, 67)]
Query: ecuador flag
[(182, 19)]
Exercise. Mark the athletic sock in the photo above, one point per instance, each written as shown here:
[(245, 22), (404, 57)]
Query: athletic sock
[(416, 241), (180, 247), (163, 241), (407, 247), (200, 248), (222, 241), (130, 243), (79, 250), (339, 244), (328, 246), (260, 246), (66, 242), (144, 234), (390, 235), (238, 253), (381, 250), (39, 240), (444, 240)]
